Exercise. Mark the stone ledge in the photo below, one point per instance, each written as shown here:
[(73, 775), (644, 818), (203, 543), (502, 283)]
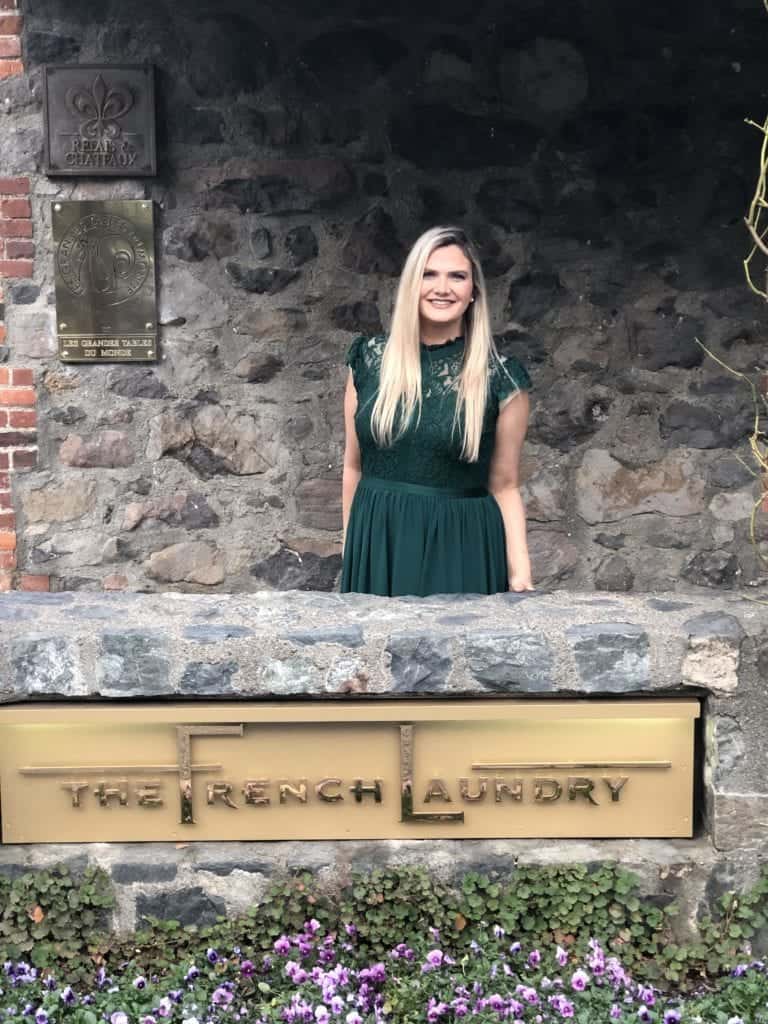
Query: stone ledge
[(294, 644)]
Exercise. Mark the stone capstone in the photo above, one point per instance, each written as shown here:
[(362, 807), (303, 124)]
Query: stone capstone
[(109, 449), (201, 678), (189, 561), (45, 665)]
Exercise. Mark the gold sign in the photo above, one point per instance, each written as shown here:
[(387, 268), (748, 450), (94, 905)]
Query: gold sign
[(495, 769), (105, 280)]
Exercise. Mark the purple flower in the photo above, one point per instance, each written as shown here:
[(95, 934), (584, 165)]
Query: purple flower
[(67, 996), (435, 959), (579, 980), (149, 1019), (515, 947), (561, 956), (615, 1012), (140, 983), (211, 956), (192, 974), (164, 1009), (282, 945), (498, 931), (247, 968), (567, 1008), (118, 1017), (534, 958), (41, 1017), (672, 1016), (354, 1018), (222, 996)]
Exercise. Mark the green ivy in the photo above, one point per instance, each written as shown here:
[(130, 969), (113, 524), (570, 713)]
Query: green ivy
[(50, 916)]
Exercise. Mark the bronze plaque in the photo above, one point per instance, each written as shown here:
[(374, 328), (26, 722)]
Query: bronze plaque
[(105, 280), (99, 120), (341, 770)]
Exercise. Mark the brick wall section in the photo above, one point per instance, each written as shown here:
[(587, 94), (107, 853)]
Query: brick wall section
[(10, 39), (17, 249), (18, 454)]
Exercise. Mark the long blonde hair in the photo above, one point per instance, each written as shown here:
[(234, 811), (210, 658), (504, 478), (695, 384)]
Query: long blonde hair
[(399, 394)]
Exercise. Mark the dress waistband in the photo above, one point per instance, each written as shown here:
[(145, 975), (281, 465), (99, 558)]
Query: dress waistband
[(375, 483)]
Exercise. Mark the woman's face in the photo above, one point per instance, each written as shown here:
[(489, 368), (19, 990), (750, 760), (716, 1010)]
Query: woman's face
[(446, 288)]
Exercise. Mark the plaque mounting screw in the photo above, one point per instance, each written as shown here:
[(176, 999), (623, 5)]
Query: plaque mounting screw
[(62, 325), (149, 325), (57, 207)]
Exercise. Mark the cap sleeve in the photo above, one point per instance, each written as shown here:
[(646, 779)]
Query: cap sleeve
[(509, 377), (357, 362)]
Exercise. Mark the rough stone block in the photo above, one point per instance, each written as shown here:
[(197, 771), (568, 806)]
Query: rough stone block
[(611, 656), (345, 636), (510, 662), (147, 871), (187, 906), (420, 664), (133, 663), (714, 651), (46, 665), (215, 634), (739, 821), (202, 678)]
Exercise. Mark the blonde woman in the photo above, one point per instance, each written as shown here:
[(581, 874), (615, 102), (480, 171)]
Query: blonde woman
[(435, 421)]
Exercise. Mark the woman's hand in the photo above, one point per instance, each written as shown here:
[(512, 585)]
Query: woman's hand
[(520, 581)]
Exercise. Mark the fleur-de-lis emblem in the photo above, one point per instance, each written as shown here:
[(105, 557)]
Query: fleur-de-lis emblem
[(102, 108)]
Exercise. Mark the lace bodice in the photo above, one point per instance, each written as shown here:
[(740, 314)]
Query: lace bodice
[(429, 452)]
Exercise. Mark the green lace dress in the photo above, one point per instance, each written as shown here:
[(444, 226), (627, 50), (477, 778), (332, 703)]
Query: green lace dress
[(422, 521)]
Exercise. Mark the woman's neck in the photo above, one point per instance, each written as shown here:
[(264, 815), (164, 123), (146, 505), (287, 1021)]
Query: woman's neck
[(438, 334)]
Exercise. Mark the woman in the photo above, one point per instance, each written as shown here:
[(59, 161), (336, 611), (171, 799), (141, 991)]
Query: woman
[(435, 419)]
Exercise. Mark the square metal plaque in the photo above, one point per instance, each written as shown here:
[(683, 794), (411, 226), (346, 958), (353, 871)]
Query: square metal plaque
[(99, 120), (104, 254)]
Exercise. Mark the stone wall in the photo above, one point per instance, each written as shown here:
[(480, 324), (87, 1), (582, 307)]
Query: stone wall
[(596, 150), (65, 647)]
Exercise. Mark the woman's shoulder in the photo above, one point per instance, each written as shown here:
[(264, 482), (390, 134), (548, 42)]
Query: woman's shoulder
[(364, 356), (508, 375)]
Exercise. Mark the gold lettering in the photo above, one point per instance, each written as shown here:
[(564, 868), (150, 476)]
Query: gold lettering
[(106, 793), (321, 791), (148, 794), (220, 791), (75, 788), (546, 791), (437, 790), (254, 794), (616, 786), (298, 791), (578, 785), (502, 788), (184, 734), (407, 812), (360, 789), (464, 791)]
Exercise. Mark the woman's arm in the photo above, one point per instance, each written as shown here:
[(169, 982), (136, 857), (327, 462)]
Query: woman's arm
[(504, 485), (352, 467)]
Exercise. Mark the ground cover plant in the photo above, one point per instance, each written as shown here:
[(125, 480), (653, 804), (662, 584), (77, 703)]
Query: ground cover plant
[(542, 945)]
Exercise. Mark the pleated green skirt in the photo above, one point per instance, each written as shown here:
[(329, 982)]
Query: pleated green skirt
[(405, 539)]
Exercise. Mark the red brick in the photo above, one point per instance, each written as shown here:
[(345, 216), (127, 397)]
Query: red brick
[(7, 540), (5, 461), (19, 248), (3, 418), (9, 68), (15, 208), (24, 460), (30, 582), (5, 375), (14, 186), (10, 46), (7, 559), (22, 418), (7, 521), (5, 482), (23, 378), (5, 500), (10, 24), (15, 268), (17, 396), (6, 579), (15, 439), (15, 228), (9, 5), (2, 338)]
